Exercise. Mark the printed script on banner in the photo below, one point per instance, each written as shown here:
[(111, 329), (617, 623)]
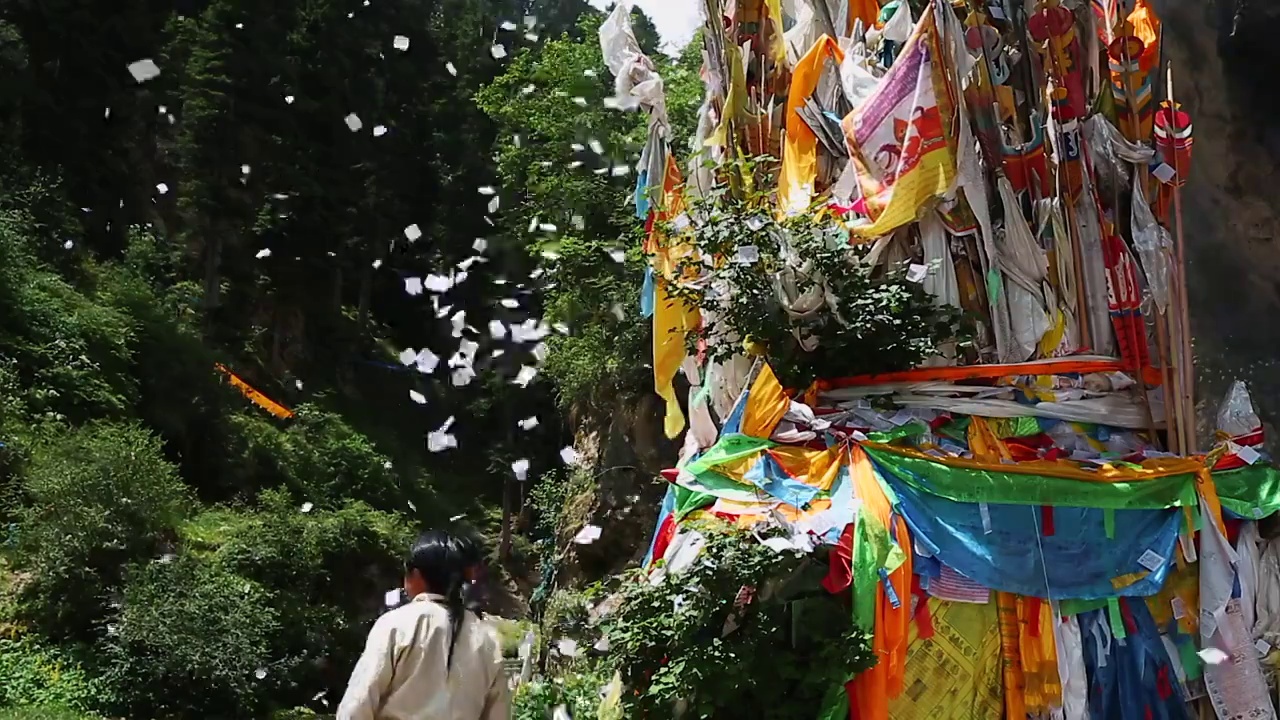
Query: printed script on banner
[(899, 137)]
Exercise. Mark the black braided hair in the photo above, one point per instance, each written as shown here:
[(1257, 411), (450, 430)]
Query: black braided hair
[(435, 555), (469, 553)]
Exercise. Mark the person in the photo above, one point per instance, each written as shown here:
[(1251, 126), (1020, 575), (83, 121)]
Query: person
[(431, 658)]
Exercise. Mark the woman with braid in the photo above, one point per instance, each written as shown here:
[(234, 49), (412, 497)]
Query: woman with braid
[(431, 658)]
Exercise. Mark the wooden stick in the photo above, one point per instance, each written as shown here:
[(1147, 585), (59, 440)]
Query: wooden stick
[(1162, 347), (1131, 100), (1187, 366)]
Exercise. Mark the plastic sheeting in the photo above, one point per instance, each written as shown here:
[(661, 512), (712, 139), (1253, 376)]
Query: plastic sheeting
[(1025, 269)]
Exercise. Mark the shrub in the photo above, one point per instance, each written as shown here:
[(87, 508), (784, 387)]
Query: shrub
[(99, 498), (318, 456), (674, 642), (579, 692), (193, 639), (33, 673), (325, 572)]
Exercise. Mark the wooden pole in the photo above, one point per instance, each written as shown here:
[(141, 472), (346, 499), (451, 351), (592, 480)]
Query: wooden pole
[(1186, 367), (1135, 127)]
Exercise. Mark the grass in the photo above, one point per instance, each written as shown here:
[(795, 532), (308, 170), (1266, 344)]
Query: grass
[(36, 713)]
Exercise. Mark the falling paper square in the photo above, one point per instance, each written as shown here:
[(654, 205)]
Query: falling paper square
[(521, 469), (379, 130), (917, 273), (531, 37), (261, 674), (413, 232), (510, 303), (1164, 173), (569, 456), (508, 25), (561, 713), (525, 376), (597, 147), (567, 647), (480, 245), (306, 507), (494, 204), (498, 52), (400, 43), (439, 441), (263, 253), (452, 70), (1212, 656), (618, 312), (580, 101), (618, 255), (530, 21), (417, 397), (353, 122), (392, 598), (528, 423), (244, 169), (427, 361), (68, 245), (587, 535), (747, 255), (288, 99), (621, 171), (486, 190), (162, 188), (413, 285), (144, 70), (602, 645), (497, 330)]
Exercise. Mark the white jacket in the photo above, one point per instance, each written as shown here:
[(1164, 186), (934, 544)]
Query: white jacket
[(404, 673)]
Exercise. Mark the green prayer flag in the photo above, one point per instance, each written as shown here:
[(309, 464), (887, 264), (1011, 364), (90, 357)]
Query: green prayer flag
[(728, 448), (1117, 621)]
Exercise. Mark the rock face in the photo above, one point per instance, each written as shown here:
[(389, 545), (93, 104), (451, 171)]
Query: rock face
[(1226, 61)]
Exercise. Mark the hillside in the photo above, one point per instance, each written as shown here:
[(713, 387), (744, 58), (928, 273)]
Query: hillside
[(273, 298)]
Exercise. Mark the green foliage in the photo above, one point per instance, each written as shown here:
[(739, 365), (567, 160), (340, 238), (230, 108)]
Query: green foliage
[(686, 640), (865, 319), (99, 498), (192, 638), (578, 691), (33, 673)]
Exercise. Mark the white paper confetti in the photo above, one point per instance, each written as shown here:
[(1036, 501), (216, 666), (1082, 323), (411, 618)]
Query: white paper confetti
[(486, 190), (531, 37), (306, 507), (452, 70), (462, 376), (498, 52), (587, 535), (400, 43), (510, 303), (162, 188), (1212, 656), (440, 441), (288, 99), (438, 283), (567, 647), (392, 598), (530, 21), (379, 130), (618, 312), (458, 321), (413, 285), (144, 70), (494, 204), (580, 101), (68, 245), (528, 423), (597, 147), (525, 376), (417, 397), (621, 171), (548, 227), (569, 456), (508, 25), (413, 232), (353, 122), (426, 362), (917, 273), (618, 255), (521, 469), (497, 330), (480, 245), (261, 673), (602, 645), (245, 169)]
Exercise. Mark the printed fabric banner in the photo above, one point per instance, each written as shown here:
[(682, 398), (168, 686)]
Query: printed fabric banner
[(955, 674), (899, 136)]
